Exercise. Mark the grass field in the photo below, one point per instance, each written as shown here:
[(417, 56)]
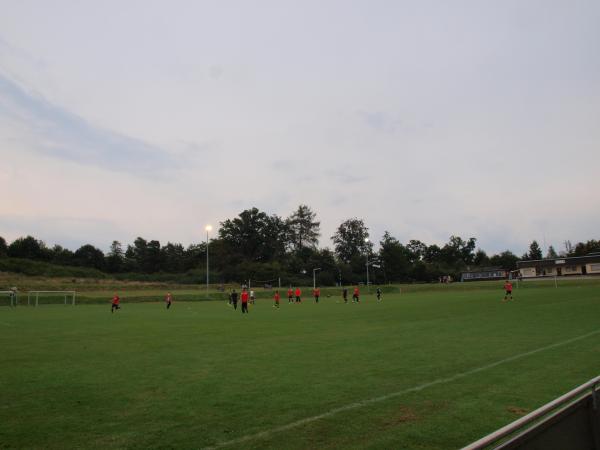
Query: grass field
[(202, 375)]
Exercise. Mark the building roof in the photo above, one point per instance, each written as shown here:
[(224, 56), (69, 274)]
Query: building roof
[(566, 261), (483, 269)]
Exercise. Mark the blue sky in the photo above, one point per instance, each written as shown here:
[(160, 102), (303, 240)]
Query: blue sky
[(424, 118)]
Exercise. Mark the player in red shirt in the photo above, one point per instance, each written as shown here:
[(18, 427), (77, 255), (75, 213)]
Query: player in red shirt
[(290, 295), (298, 295), (356, 295), (317, 294), (168, 300), (244, 298), (276, 297), (115, 303), (508, 291)]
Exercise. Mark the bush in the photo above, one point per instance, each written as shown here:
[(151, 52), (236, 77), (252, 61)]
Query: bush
[(39, 268)]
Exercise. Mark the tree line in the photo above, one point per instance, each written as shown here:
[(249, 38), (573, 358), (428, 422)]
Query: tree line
[(266, 248)]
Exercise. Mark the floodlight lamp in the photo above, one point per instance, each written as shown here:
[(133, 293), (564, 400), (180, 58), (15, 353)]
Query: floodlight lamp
[(208, 228)]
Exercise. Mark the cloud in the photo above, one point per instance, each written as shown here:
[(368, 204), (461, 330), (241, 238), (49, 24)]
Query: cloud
[(338, 199), (346, 175), (379, 121), (435, 124), (283, 164), (215, 72), (55, 132)]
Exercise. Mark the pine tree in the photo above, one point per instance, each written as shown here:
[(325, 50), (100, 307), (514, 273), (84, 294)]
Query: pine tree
[(535, 252), (303, 228)]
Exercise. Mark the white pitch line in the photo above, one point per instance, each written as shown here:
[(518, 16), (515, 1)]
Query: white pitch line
[(331, 412)]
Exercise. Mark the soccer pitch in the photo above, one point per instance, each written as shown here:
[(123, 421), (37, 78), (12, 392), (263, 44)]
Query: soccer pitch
[(431, 369)]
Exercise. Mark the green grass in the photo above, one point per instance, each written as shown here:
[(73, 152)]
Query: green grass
[(201, 373)]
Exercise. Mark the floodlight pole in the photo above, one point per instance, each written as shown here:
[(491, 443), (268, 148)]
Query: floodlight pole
[(208, 228), (315, 277), (368, 286), (367, 264)]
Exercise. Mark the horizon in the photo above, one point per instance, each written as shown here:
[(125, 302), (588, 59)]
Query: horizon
[(561, 251)]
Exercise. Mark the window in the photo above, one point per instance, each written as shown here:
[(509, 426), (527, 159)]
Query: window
[(595, 267)]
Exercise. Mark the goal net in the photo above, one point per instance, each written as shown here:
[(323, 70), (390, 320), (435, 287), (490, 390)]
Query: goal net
[(9, 298), (37, 298)]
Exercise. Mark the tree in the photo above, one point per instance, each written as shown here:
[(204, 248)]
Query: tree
[(395, 258), (467, 250), (153, 259), (535, 252), (140, 249), (432, 253), (458, 252), (30, 248), (351, 240), (507, 260), (303, 229), (62, 255), (195, 255), (130, 263), (172, 256), (255, 235), (146, 255), (551, 253), (89, 256), (481, 258), (274, 237), (325, 260), (417, 249), (3, 247), (568, 247), (584, 248), (115, 260)]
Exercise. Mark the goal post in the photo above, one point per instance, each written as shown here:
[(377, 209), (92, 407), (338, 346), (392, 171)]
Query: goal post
[(36, 298), (11, 298)]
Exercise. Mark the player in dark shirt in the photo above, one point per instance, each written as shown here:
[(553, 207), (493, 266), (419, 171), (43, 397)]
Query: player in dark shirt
[(234, 299)]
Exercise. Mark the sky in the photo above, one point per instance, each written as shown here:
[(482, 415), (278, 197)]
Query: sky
[(428, 119)]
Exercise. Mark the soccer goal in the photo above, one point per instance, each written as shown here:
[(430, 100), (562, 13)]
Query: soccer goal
[(9, 298), (37, 298)]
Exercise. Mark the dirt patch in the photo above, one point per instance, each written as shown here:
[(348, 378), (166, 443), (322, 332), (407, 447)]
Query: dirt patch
[(516, 410), (403, 415)]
